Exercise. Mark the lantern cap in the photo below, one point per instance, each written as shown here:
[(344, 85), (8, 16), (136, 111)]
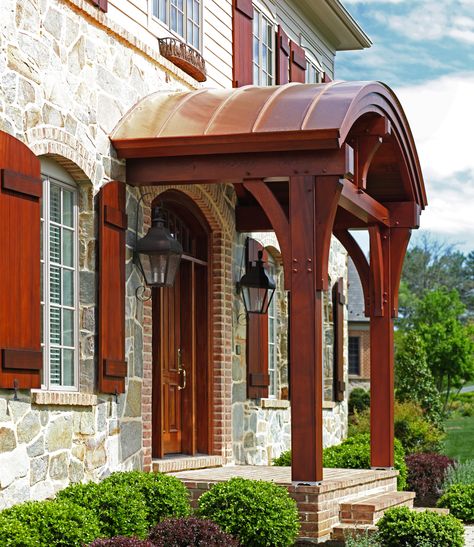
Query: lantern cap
[(159, 240)]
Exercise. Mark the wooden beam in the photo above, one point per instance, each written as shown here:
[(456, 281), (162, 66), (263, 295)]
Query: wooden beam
[(233, 167), (360, 262), (405, 214), (363, 206), (378, 290), (305, 322), (278, 218)]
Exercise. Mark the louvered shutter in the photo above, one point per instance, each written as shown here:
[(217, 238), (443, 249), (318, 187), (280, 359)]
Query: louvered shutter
[(338, 303), (283, 57), (21, 357), (258, 378), (242, 15), (111, 296), (297, 63)]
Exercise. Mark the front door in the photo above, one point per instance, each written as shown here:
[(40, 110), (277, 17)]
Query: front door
[(181, 358)]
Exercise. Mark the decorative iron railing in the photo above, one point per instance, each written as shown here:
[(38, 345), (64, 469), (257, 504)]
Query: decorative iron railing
[(184, 56)]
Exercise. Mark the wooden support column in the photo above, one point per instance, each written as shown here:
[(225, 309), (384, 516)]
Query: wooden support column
[(313, 204), (387, 251)]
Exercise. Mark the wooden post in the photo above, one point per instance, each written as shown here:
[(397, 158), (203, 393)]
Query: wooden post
[(313, 204), (387, 251)]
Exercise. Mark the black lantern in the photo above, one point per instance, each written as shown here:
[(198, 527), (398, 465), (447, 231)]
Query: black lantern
[(257, 287), (158, 253)]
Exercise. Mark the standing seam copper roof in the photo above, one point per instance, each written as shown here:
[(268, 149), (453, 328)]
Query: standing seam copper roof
[(318, 110)]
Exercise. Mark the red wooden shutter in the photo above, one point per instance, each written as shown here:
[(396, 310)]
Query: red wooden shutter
[(258, 378), (101, 4), (112, 226), (297, 63), (338, 316), (283, 55), (21, 357), (242, 15)]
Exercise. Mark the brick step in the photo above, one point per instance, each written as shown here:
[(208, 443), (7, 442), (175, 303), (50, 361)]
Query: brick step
[(342, 531), (370, 509)]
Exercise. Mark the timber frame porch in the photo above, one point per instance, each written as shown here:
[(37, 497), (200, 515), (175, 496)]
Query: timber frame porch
[(306, 161)]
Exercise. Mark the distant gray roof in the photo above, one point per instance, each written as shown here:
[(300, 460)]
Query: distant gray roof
[(355, 300)]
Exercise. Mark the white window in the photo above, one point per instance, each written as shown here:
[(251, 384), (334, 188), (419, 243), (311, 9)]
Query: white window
[(272, 336), (314, 73), (184, 17), (59, 284), (263, 49)]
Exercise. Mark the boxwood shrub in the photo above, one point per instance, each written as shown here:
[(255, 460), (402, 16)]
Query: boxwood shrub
[(283, 460), (459, 499), (121, 541), (47, 524), (401, 526), (121, 510), (190, 532), (165, 496), (258, 513), (354, 453)]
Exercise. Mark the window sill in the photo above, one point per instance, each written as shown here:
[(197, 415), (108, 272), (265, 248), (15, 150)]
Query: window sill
[(329, 405), (275, 403), (63, 398)]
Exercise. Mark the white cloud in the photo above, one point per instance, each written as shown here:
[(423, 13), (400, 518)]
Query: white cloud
[(441, 116)]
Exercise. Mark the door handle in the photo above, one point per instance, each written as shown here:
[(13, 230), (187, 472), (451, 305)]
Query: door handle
[(181, 371)]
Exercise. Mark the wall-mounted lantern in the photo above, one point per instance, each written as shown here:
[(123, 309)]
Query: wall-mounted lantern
[(257, 287), (158, 253)]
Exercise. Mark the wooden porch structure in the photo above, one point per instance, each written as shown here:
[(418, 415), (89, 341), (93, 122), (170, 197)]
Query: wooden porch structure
[(307, 161)]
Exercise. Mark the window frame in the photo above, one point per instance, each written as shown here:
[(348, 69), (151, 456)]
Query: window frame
[(260, 14), (272, 341), (350, 354), (46, 345), (166, 21), (312, 64)]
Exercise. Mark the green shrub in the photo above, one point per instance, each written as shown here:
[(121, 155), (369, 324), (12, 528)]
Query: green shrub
[(258, 513), (412, 428), (459, 499), (459, 473), (462, 404), (13, 533), (359, 400), (165, 496), (283, 460), (121, 510), (367, 539), (354, 453), (401, 526), (50, 523)]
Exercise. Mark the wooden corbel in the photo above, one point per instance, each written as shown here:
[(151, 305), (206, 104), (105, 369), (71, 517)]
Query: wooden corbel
[(365, 151), (377, 271), (399, 239)]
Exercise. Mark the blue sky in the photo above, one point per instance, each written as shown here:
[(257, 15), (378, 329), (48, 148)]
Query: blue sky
[(424, 50)]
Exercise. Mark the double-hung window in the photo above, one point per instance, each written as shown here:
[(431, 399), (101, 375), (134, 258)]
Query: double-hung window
[(354, 355), (184, 17), (272, 338), (263, 49), (314, 73), (59, 284)]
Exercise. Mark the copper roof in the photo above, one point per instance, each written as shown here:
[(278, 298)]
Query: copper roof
[(256, 119)]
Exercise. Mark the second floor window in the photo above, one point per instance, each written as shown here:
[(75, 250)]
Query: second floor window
[(314, 74), (183, 17), (263, 49), (59, 284)]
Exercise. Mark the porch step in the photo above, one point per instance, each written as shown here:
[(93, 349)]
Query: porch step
[(172, 464), (370, 509), (344, 530)]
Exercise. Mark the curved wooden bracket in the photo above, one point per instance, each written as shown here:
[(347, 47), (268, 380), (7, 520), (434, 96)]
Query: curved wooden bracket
[(360, 262), (377, 278), (276, 215), (365, 152), (399, 238), (327, 192)]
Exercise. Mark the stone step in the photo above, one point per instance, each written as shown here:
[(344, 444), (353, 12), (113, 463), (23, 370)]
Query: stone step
[(370, 509), (342, 531)]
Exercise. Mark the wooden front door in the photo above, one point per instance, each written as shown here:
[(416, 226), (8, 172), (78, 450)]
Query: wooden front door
[(181, 357)]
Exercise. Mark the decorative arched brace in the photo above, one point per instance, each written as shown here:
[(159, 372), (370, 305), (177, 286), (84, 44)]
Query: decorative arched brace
[(277, 216), (360, 262), (327, 192), (378, 285), (399, 239)]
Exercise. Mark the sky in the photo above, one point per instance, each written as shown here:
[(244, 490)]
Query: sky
[(424, 51)]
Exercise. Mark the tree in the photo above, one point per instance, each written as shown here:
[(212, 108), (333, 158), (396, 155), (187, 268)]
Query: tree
[(448, 342), (414, 380)]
